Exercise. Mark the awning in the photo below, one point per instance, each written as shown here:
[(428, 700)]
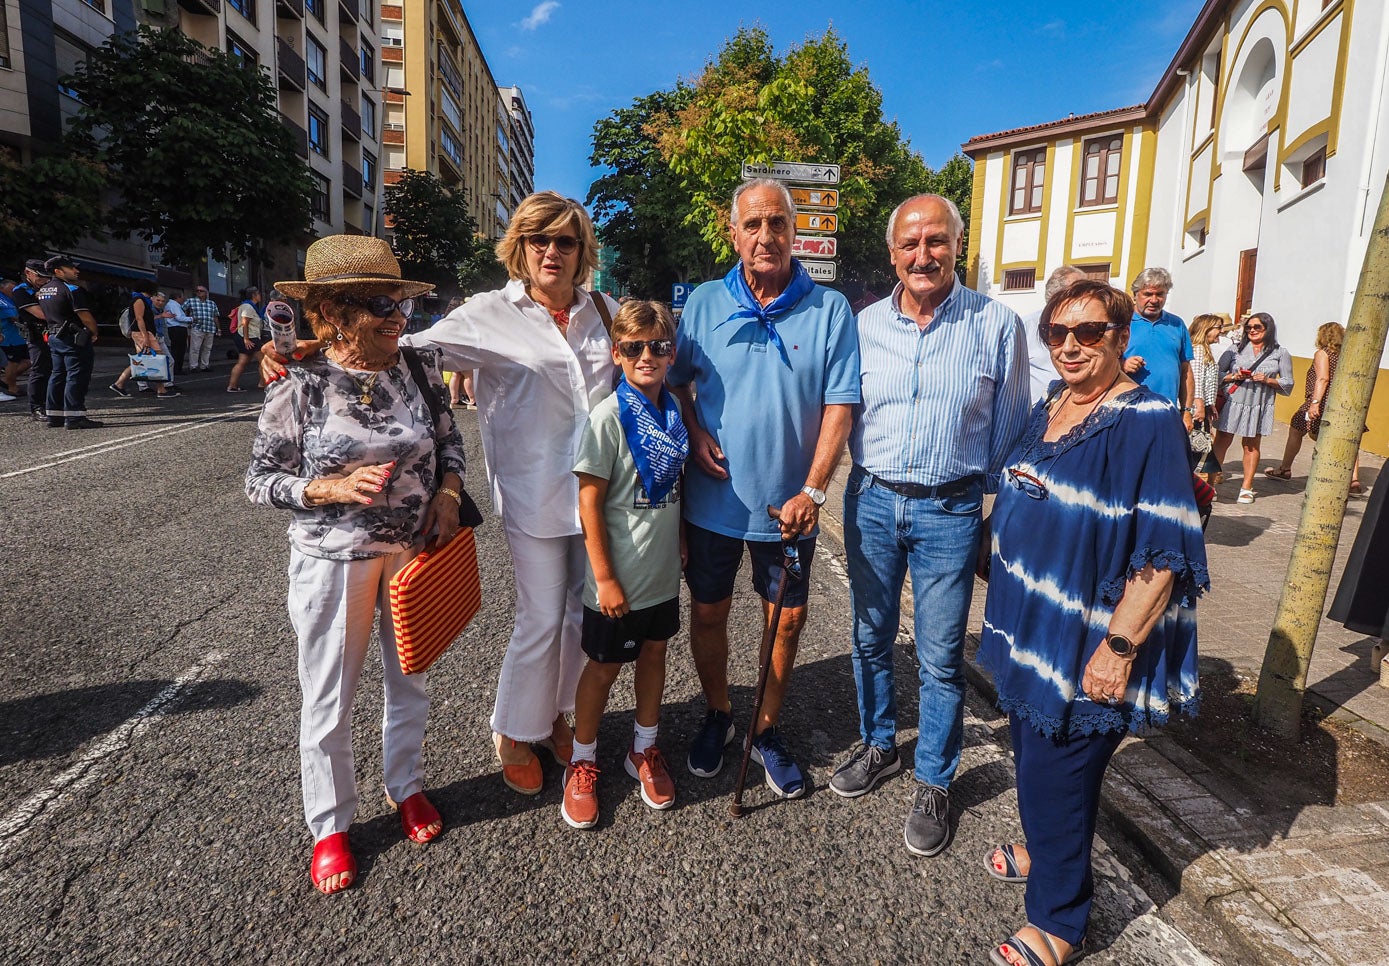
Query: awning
[(107, 268)]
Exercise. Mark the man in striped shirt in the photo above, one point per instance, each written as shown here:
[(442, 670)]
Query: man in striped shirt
[(944, 400)]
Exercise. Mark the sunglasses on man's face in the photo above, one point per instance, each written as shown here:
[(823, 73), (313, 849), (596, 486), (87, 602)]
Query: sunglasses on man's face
[(382, 306), (1086, 333), (565, 243), (633, 348)]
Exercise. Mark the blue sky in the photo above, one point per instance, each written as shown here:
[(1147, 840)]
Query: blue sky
[(947, 70)]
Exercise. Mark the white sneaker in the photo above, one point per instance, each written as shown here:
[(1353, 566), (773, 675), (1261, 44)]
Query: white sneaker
[(6, 397), (1245, 496)]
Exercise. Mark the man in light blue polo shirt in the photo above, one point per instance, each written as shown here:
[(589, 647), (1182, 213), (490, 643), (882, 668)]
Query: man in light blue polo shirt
[(945, 398), (1159, 352), (773, 362)]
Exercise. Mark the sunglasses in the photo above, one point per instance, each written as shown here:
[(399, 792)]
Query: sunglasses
[(791, 558), (1254, 328), (381, 306), (565, 243), (633, 348), (1086, 333), (1027, 483)]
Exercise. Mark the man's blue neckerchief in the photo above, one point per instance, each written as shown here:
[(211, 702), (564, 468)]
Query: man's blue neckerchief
[(656, 437), (798, 288)]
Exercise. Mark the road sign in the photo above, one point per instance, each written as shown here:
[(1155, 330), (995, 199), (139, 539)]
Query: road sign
[(815, 197), (809, 221), (814, 246), (793, 171), (679, 292), (822, 271)]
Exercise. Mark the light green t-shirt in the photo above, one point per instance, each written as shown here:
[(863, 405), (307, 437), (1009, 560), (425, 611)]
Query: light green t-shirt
[(643, 538)]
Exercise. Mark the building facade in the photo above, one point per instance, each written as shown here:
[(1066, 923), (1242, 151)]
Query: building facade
[(1253, 173), (521, 140)]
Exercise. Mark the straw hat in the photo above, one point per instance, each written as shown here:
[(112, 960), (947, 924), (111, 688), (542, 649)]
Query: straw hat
[(338, 260)]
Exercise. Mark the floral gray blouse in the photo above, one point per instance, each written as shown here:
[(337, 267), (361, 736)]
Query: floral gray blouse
[(315, 424)]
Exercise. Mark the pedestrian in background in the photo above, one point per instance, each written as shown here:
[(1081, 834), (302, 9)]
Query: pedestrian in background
[(144, 335), (1041, 373), (249, 336), (12, 344), (1205, 371), (1258, 372), (1307, 420), (34, 326), (1090, 624), (176, 322), (349, 443), (202, 313), (1159, 352), (71, 336)]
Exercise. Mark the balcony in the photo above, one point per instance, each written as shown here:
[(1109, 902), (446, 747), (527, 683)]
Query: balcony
[(351, 181), (292, 71), (351, 123), (290, 8), (349, 9), (301, 137), (205, 8), (449, 19), (349, 61)]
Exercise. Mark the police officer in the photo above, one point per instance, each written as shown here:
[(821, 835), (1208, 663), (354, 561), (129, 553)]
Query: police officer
[(33, 324), (71, 335)]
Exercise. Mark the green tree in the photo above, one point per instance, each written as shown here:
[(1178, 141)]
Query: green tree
[(49, 203), (434, 235), (480, 270), (192, 146)]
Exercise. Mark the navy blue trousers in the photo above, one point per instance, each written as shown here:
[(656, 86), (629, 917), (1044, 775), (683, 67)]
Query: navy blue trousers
[(1058, 801), (67, 388)]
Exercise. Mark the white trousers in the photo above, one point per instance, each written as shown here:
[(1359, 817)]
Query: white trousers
[(333, 605), (540, 671), (200, 348)]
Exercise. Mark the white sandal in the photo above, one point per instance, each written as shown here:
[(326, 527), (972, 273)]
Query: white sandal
[(1245, 496)]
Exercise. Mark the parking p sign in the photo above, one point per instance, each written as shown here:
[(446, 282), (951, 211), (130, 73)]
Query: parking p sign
[(679, 293)]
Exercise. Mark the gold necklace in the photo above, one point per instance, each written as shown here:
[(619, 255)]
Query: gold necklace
[(364, 386)]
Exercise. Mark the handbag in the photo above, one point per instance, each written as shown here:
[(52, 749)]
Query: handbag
[(433, 598), (154, 366), (1199, 438)]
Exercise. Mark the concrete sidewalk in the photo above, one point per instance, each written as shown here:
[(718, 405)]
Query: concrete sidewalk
[(1310, 884)]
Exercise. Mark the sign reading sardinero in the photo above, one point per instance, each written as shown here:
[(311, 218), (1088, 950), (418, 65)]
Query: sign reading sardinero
[(793, 171)]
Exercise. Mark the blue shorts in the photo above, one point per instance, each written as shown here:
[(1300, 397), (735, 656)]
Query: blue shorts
[(714, 560)]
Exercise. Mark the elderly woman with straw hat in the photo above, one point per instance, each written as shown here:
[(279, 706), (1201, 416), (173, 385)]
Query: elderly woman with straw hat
[(350, 444)]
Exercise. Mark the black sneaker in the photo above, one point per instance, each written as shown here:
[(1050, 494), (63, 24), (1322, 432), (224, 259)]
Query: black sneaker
[(55, 424), (928, 823), (82, 422), (864, 769), (706, 751), (169, 393), (119, 390)]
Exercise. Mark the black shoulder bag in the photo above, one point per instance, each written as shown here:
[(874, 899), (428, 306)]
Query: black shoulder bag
[(468, 513)]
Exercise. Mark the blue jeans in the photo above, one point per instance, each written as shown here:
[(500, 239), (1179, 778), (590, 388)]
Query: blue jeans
[(72, 372), (884, 534)]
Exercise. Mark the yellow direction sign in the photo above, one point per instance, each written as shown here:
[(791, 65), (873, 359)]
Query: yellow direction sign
[(807, 221), (815, 198)]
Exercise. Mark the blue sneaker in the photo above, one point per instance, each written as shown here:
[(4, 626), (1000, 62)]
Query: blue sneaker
[(706, 751), (783, 774)]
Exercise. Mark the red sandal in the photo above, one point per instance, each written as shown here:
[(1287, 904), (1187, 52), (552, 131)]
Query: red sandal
[(416, 815), (331, 856)]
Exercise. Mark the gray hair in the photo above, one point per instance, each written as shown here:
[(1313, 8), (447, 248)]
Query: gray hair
[(160, 295), (957, 224), (1152, 278), (1061, 279), (776, 186)]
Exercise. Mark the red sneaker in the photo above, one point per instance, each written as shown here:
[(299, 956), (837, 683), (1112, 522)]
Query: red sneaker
[(579, 807), (649, 768)]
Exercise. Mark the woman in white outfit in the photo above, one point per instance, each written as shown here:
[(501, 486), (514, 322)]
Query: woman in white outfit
[(543, 359)]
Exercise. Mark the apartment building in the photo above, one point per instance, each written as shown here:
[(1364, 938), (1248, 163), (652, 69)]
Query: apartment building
[(521, 146), (1253, 173)]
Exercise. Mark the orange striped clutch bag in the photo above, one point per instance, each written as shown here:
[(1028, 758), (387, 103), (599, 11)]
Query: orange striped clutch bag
[(432, 599)]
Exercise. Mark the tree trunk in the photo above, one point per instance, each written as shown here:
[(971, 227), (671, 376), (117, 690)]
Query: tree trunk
[(1283, 678)]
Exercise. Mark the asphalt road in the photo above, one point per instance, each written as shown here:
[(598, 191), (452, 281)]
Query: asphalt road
[(149, 789)]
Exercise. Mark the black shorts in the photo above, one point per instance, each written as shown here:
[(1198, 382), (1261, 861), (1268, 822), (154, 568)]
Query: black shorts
[(239, 344), (617, 641), (16, 353), (714, 561)]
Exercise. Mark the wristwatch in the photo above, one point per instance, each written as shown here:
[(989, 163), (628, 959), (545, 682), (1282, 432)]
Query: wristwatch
[(816, 496), (1122, 646)]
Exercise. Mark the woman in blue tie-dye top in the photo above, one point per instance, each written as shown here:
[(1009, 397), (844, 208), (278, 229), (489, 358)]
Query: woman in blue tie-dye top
[(1090, 626)]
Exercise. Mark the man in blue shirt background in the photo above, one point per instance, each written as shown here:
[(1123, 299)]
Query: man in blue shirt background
[(1159, 352)]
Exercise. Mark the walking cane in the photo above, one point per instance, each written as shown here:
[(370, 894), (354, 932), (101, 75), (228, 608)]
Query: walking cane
[(790, 570)]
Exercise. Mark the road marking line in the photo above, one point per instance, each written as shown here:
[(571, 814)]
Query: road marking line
[(89, 767), (110, 446)]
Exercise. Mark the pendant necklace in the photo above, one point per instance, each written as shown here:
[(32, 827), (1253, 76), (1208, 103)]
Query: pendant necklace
[(364, 386)]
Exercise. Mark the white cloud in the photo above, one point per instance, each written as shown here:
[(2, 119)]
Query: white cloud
[(540, 14)]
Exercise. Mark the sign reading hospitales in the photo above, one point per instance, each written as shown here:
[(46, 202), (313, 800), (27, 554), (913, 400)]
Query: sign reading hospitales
[(793, 171), (821, 271), (815, 198), (815, 246)]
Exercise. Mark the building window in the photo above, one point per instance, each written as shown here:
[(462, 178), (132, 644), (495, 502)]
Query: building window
[(1019, 279), (1314, 167), (449, 108), (244, 53), (315, 7), (4, 38), (318, 131), (98, 5), (69, 52), (247, 8), (317, 61), (368, 54), (1097, 272), (450, 145), (368, 117), (368, 173), (1099, 175), (319, 203), (1029, 171)]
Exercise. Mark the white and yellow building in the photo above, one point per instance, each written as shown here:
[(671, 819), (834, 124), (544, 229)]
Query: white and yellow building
[(1253, 174)]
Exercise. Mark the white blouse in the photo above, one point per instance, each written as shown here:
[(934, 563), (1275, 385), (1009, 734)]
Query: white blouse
[(535, 386)]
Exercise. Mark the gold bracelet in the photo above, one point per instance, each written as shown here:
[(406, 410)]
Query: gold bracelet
[(457, 497)]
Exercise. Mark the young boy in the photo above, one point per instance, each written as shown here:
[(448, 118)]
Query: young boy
[(629, 503)]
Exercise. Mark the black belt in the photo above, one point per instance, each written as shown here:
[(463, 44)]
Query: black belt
[(918, 491)]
